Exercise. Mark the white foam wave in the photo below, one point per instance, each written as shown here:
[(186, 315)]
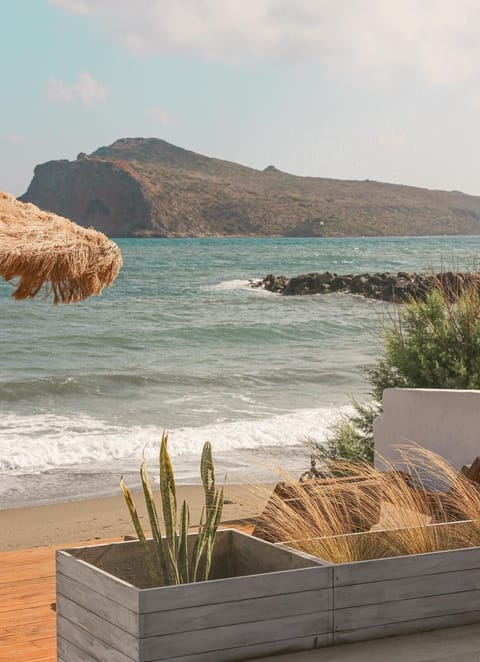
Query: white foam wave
[(230, 285), (30, 444)]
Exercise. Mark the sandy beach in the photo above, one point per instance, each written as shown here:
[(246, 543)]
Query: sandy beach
[(108, 517)]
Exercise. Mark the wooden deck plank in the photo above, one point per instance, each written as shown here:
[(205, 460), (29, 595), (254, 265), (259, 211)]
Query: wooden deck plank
[(34, 631), (27, 594), (24, 655), (27, 598), (25, 616)]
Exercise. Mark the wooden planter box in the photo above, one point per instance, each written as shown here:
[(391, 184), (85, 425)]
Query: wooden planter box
[(381, 597), (261, 600)]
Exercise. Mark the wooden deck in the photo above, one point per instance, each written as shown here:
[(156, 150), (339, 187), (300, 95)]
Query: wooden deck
[(27, 602), (27, 605)]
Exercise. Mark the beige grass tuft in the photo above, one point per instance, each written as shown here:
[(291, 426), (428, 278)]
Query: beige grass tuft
[(315, 519)]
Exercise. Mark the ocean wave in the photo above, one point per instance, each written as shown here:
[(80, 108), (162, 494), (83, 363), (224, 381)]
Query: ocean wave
[(39, 442), (238, 285), (168, 383), (235, 284), (89, 384)]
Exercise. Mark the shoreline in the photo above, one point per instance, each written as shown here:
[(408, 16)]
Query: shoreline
[(108, 517), (241, 466)]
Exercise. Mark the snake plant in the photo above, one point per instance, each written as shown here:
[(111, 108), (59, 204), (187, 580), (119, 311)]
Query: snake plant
[(168, 558)]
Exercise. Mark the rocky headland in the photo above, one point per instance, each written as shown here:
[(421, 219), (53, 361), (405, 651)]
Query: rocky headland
[(396, 288), (146, 187)]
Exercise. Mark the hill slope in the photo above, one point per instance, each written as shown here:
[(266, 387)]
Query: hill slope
[(148, 187)]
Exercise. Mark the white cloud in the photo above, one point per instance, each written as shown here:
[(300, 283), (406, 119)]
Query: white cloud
[(80, 7), (391, 140), (158, 114), (14, 138), (437, 38), (87, 91)]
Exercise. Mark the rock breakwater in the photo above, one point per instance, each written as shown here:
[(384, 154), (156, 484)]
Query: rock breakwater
[(397, 288)]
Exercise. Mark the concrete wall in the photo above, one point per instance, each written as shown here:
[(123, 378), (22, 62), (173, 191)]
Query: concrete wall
[(444, 421)]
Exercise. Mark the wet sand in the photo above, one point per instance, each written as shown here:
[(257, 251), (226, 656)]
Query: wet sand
[(108, 517)]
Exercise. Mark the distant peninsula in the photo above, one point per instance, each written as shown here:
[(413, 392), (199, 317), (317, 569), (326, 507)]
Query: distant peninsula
[(146, 187)]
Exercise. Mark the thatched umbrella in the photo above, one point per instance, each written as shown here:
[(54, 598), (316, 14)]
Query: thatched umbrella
[(43, 249)]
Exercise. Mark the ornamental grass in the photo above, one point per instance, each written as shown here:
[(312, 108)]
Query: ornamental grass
[(425, 506)]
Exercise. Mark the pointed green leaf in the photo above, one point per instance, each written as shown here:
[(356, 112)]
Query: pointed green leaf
[(183, 549), (168, 495), (140, 533), (174, 576), (212, 532), (153, 517), (197, 549), (207, 472)]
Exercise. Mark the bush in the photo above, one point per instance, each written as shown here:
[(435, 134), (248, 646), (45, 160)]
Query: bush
[(350, 438), (433, 343)]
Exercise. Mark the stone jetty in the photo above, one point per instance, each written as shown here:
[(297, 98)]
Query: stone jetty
[(397, 288)]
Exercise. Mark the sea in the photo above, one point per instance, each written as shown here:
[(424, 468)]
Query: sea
[(181, 342)]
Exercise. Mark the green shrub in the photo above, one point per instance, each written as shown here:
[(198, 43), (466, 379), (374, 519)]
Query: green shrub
[(350, 438), (432, 343)]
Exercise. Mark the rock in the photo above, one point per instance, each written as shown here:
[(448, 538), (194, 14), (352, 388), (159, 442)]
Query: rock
[(452, 282), (326, 278), (360, 284), (384, 286), (340, 283), (273, 283), (305, 284)]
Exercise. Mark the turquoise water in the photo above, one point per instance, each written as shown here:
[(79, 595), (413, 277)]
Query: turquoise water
[(181, 342)]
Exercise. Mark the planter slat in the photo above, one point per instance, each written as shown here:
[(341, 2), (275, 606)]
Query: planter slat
[(407, 627), (248, 561), (241, 611), (406, 610), (101, 582), (395, 595), (406, 588), (104, 630), (223, 590), (67, 652), (258, 650), (232, 636), (84, 597), (346, 574), (89, 643)]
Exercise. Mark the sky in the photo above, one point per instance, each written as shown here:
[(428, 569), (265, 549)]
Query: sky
[(387, 90)]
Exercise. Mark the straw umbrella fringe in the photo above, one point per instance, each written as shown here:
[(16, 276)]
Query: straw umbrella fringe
[(46, 251)]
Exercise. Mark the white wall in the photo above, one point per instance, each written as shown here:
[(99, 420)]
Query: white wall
[(444, 421)]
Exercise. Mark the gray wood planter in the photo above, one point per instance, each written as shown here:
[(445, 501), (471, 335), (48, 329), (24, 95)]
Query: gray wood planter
[(405, 594), (261, 600)]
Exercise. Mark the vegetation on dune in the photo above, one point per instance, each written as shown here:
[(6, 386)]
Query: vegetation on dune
[(431, 343), (169, 559)]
